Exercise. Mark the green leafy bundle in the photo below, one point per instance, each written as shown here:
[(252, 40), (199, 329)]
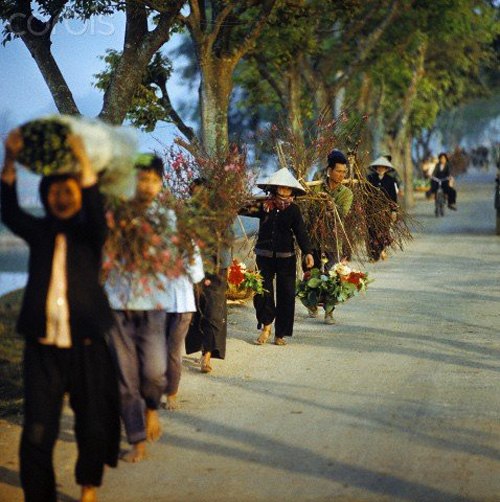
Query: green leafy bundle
[(330, 288), (45, 147)]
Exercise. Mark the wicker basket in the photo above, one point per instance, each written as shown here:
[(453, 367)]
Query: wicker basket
[(421, 188), (235, 293)]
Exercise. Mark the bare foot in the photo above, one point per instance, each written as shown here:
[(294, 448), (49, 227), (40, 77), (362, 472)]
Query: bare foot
[(206, 367), (89, 494), (172, 403), (136, 454), (153, 426)]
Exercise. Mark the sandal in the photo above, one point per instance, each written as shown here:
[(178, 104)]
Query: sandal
[(279, 341), (266, 333)]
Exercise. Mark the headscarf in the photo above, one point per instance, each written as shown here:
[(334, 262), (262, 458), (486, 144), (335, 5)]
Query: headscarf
[(278, 202)]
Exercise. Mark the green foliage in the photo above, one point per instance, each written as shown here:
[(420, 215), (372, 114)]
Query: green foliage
[(458, 39), (330, 288), (148, 106)]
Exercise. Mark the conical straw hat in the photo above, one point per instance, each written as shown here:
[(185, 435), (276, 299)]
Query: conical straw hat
[(283, 178), (382, 161)]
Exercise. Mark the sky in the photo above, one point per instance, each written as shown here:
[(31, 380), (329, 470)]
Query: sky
[(76, 47)]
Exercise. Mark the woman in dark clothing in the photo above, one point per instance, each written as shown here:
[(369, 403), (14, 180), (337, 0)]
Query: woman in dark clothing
[(208, 329), (64, 318), (280, 225), (383, 178), (442, 171)]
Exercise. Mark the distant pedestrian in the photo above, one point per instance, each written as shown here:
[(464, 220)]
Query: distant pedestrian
[(281, 225), (64, 317), (381, 177)]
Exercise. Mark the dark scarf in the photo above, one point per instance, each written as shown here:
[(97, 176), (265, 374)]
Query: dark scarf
[(277, 202)]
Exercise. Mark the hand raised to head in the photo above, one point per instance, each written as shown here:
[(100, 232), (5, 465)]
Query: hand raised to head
[(13, 144)]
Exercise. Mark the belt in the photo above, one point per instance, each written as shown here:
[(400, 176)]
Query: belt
[(274, 254)]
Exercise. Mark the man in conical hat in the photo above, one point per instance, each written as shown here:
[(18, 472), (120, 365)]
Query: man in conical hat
[(281, 225)]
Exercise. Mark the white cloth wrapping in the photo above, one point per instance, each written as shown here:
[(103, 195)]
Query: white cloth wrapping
[(111, 150)]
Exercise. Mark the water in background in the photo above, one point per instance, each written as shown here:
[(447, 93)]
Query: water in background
[(14, 255)]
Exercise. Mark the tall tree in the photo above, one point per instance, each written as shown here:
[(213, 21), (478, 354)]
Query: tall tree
[(34, 23), (221, 33)]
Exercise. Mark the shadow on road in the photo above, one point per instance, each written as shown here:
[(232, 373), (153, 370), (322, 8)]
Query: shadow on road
[(271, 452)]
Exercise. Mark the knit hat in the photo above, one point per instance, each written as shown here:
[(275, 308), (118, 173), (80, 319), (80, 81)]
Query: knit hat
[(336, 157), (282, 178)]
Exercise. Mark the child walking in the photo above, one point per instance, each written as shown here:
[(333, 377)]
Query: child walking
[(152, 319)]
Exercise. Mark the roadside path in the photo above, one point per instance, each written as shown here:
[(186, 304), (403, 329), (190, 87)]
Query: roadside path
[(399, 401)]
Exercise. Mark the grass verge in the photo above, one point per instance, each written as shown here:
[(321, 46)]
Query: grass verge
[(11, 351)]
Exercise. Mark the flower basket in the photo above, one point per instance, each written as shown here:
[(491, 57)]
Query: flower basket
[(420, 189), (242, 284), (111, 150), (330, 288), (236, 293)]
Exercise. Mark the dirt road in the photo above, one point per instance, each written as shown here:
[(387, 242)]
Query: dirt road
[(399, 401)]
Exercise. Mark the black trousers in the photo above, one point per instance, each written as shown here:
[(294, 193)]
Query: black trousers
[(283, 309), (87, 373), (208, 329), (450, 192)]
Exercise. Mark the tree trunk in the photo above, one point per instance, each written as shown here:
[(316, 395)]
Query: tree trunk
[(408, 173), (294, 99), (215, 90), (39, 47), (139, 47), (365, 106)]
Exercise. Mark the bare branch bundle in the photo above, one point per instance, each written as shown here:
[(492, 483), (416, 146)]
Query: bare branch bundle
[(374, 214), (206, 215), (303, 151)]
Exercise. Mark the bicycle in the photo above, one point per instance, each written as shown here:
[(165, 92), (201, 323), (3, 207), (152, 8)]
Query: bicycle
[(439, 196)]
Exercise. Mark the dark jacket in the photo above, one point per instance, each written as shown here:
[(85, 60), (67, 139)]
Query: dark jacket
[(277, 229), (387, 184), (90, 314), (442, 173)]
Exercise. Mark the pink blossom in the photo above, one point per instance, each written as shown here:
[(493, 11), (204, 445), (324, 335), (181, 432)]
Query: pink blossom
[(155, 240)]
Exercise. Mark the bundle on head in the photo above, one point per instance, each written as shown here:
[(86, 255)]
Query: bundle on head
[(45, 147)]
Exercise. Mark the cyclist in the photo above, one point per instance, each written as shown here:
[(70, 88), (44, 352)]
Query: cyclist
[(442, 171)]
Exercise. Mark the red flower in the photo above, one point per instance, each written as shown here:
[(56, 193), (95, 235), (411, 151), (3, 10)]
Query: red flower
[(355, 278), (235, 275)]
